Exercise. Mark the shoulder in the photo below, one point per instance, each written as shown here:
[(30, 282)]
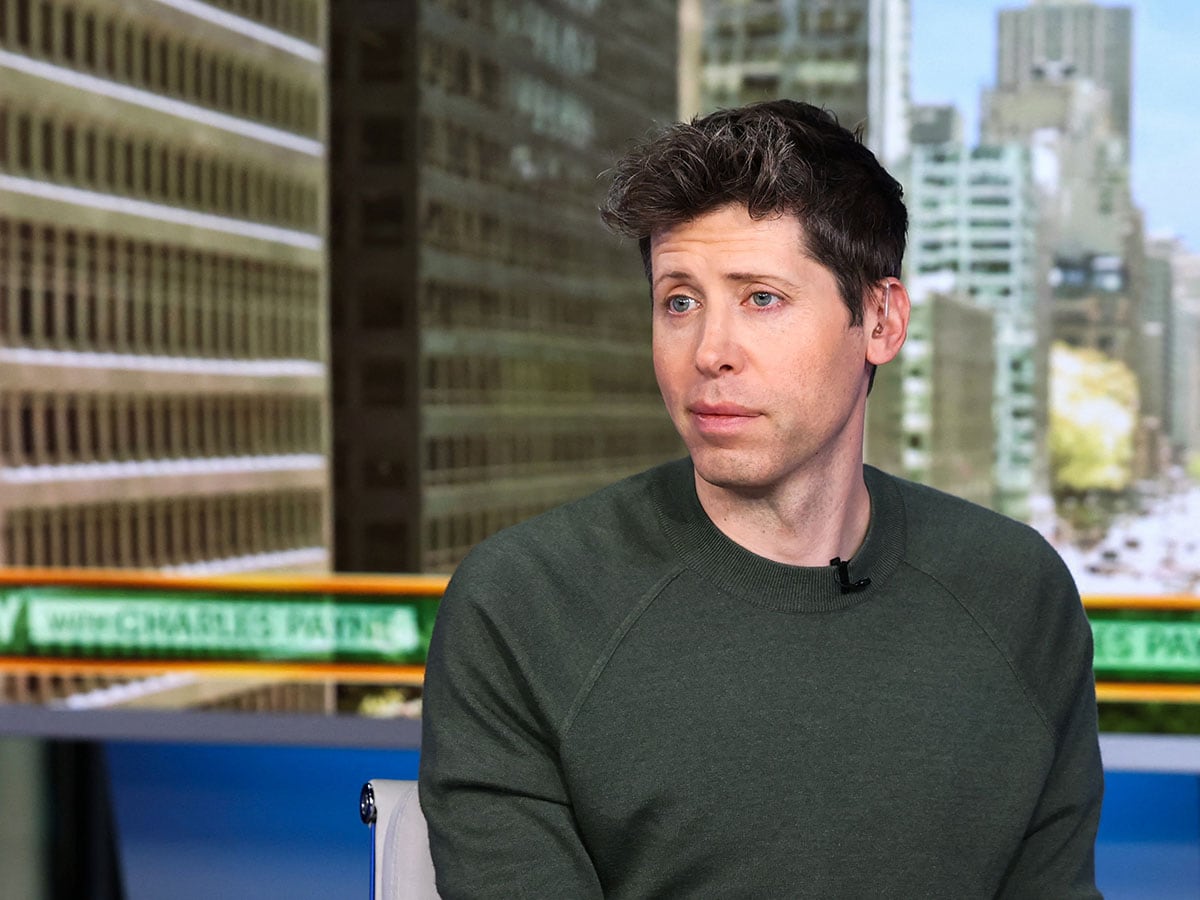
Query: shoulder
[(974, 551), (1011, 582), (609, 543), (544, 597)]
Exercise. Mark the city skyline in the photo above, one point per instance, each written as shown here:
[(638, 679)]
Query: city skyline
[(948, 69)]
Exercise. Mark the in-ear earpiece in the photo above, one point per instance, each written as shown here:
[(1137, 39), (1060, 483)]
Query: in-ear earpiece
[(887, 300)]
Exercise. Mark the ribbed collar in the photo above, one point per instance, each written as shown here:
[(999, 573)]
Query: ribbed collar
[(765, 583)]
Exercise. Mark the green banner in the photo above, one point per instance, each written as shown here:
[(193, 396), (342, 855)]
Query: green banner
[(1147, 646), (183, 625)]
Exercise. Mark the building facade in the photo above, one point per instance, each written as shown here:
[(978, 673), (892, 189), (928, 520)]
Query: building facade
[(936, 124), (948, 368), (1155, 351), (1184, 373), (1072, 37), (1064, 89), (162, 284), (850, 56), (1081, 163), (490, 341), (974, 213)]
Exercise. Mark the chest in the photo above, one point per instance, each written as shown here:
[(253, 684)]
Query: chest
[(810, 732)]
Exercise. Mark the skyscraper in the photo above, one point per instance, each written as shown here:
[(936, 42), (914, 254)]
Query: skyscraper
[(1072, 37), (162, 266), (1184, 375), (491, 353), (1082, 164), (1063, 73), (947, 370), (974, 213), (850, 56)]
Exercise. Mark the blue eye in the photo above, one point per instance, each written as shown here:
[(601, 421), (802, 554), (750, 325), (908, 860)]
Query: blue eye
[(680, 304), (763, 299)]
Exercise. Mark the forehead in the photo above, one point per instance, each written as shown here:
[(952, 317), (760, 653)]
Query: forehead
[(728, 234), (734, 224)]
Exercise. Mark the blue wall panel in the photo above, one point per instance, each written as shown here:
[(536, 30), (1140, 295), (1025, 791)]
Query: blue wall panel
[(1149, 842), (211, 821), (232, 822)]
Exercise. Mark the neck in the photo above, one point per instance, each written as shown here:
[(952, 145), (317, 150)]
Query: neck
[(806, 521)]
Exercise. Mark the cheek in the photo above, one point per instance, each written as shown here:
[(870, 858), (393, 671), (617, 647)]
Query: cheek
[(665, 356), (662, 373)]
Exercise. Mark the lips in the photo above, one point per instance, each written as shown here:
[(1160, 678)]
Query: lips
[(722, 409), (722, 421)]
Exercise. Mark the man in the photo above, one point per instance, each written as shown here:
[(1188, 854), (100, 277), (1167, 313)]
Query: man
[(764, 670)]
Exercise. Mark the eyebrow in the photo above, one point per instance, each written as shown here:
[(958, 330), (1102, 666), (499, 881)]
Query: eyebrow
[(734, 277)]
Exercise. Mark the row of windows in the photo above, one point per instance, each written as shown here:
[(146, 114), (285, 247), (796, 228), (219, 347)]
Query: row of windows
[(484, 234), (163, 533), (298, 697), (100, 157), (109, 47), (45, 688), (478, 457), (461, 306), (464, 150), (766, 20), (979, 245), (547, 106), (62, 429), (301, 18), (461, 71), (496, 379), (449, 538), (541, 168), (40, 688), (67, 289)]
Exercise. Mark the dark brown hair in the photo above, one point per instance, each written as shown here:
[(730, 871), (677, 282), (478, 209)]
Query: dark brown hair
[(778, 157)]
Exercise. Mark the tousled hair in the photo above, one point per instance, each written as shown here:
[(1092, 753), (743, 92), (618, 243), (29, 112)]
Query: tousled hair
[(777, 157)]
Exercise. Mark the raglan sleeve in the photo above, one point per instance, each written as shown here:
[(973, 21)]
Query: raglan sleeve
[(1056, 859), (491, 785)]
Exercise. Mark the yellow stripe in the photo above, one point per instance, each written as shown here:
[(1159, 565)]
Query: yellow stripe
[(1134, 692), (146, 668), (1177, 602), (389, 585)]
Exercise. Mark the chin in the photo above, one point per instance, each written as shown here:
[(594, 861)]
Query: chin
[(730, 470)]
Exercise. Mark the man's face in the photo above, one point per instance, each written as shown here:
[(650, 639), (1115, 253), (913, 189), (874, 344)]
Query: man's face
[(760, 370)]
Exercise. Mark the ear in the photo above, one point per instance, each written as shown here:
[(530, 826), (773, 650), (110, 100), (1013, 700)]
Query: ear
[(886, 320)]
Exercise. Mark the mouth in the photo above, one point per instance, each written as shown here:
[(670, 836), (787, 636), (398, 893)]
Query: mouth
[(727, 410), (721, 418)]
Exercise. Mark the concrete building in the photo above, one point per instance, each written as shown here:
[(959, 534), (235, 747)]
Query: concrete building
[(883, 443), (162, 284), (1073, 37), (1090, 225), (491, 354), (1092, 306), (948, 371), (1081, 163), (1074, 113), (1184, 342), (936, 124), (1155, 351), (849, 56), (974, 213)]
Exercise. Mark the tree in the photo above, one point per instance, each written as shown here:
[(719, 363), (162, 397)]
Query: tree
[(1093, 413)]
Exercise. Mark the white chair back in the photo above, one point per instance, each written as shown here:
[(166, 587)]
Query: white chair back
[(401, 867)]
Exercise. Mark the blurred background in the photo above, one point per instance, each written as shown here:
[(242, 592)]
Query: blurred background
[(317, 288)]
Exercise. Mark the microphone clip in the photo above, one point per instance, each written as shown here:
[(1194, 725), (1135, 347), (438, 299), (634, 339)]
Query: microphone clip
[(843, 577)]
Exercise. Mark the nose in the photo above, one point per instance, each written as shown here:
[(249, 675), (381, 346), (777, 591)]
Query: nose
[(719, 349)]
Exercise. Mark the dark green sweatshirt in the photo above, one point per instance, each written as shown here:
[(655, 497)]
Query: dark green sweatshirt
[(622, 702)]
